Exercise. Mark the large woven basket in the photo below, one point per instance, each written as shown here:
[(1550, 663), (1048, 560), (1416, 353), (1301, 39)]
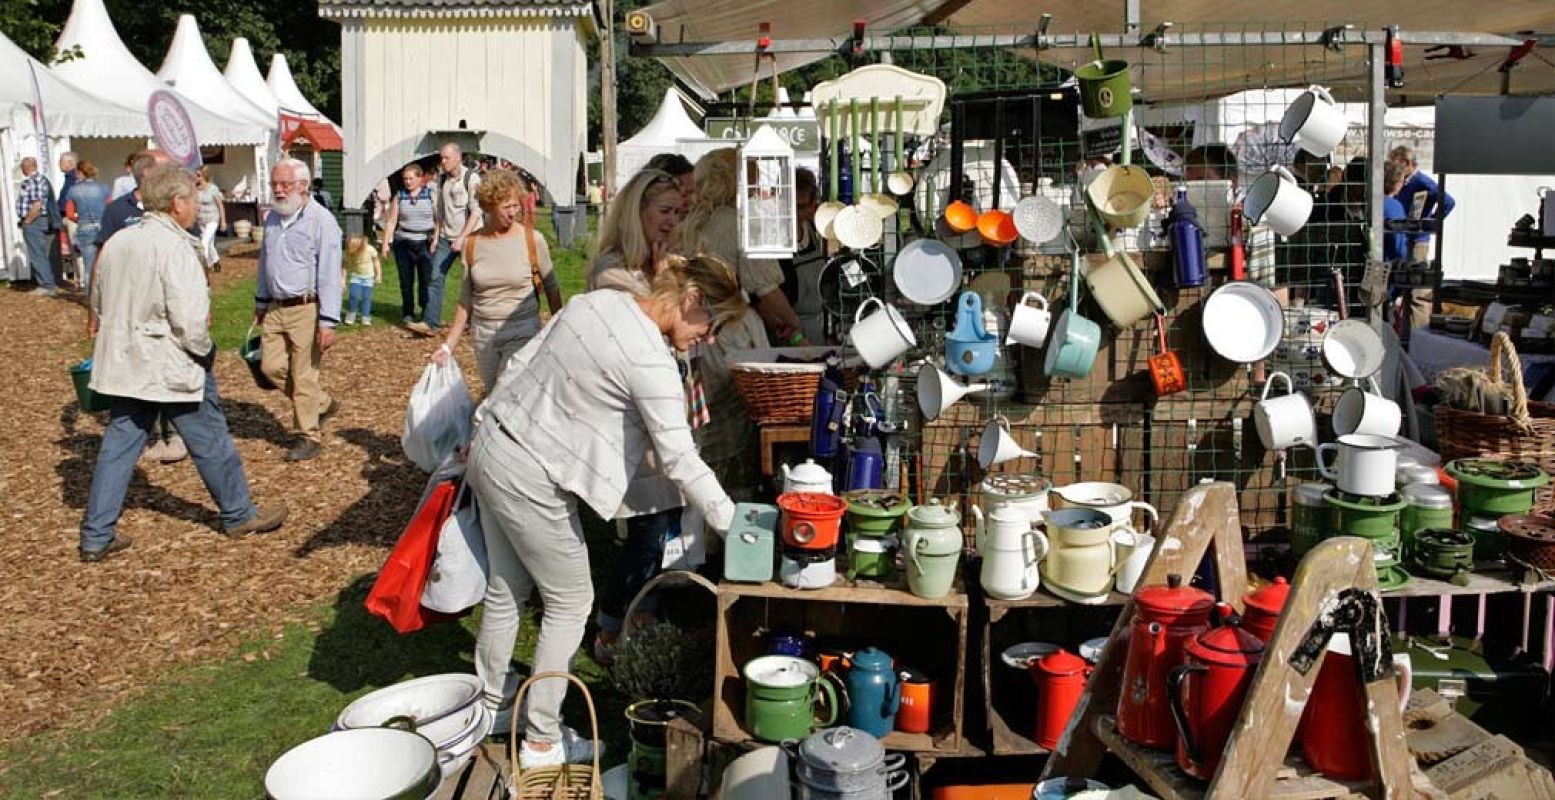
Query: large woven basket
[(564, 782), (1526, 433), (778, 393)]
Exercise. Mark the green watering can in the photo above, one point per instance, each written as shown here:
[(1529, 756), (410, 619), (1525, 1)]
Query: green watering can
[(1104, 85)]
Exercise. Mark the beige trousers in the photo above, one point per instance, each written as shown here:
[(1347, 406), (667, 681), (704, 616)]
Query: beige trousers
[(496, 340), (289, 355)]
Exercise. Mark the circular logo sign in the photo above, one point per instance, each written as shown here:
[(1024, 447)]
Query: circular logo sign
[(1104, 97), (173, 130)]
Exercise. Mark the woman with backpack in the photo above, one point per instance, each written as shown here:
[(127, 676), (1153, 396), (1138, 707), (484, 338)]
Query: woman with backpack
[(411, 232)]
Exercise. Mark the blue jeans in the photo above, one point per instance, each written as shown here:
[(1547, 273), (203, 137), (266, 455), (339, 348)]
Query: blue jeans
[(636, 564), (360, 298), (442, 262), (415, 262), (86, 243), (36, 236), (204, 428)]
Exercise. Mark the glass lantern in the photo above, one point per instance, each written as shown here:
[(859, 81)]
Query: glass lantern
[(766, 196)]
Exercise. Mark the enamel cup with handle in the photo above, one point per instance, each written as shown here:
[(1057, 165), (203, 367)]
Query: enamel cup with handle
[(1113, 499), (1029, 323), (1314, 122), (1134, 551), (1360, 411), (883, 335), (1285, 421), (1366, 465), (1277, 200)]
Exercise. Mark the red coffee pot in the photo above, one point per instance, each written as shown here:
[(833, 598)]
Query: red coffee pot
[(1207, 691), (1264, 607), (1336, 714), (1166, 618), (1060, 678)]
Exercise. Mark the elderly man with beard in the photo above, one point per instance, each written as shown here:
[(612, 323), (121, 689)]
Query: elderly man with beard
[(297, 302), (153, 356)]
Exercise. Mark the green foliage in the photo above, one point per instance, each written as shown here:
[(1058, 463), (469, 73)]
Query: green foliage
[(662, 661)]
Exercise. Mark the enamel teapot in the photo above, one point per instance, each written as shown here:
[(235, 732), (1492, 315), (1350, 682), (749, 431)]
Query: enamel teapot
[(1012, 549), (807, 477), (1024, 492)]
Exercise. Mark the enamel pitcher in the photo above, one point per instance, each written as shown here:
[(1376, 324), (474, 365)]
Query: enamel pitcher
[(1082, 556), (1012, 549), (932, 547), (1024, 492)]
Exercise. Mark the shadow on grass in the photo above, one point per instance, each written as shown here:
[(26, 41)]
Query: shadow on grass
[(359, 650)]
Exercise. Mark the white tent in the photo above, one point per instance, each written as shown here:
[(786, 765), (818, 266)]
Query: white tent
[(106, 69), (284, 87), (73, 119), (243, 73), (663, 134), (188, 68)]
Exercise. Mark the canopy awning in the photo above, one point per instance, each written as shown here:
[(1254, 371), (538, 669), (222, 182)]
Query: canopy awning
[(67, 111), (320, 135)]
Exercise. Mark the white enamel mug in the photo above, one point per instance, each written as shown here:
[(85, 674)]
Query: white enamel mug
[(1276, 200), (1285, 421), (1366, 465), (882, 336), (1314, 122), (1029, 323), (1136, 548), (1360, 411)]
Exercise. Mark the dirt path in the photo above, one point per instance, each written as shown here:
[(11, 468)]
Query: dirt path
[(78, 639)]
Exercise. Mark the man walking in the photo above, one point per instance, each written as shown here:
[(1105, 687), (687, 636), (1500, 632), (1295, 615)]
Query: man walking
[(461, 216), (297, 304), (69, 249), (35, 210), (153, 357)]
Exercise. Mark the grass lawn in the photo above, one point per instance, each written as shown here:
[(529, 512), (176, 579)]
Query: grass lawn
[(212, 731)]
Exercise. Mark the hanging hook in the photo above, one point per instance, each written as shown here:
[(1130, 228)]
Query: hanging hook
[(1042, 40), (1333, 38), (1157, 38)]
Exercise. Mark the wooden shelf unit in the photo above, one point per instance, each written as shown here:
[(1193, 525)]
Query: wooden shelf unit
[(927, 634)]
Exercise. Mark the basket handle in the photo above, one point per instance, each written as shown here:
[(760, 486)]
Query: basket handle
[(518, 705), (1503, 354)]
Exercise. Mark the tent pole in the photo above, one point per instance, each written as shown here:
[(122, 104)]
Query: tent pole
[(1377, 101), (607, 99)]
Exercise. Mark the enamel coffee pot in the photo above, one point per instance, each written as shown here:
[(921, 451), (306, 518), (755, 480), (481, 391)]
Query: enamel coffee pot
[(1011, 551), (1060, 678), (1024, 492), (1264, 608), (1166, 618), (1207, 691)]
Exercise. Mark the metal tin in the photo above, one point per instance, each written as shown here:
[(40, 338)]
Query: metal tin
[(1416, 474), (1309, 517), (1429, 507)]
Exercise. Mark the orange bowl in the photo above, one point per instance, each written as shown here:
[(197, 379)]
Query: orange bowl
[(997, 228), (1005, 791), (960, 217)]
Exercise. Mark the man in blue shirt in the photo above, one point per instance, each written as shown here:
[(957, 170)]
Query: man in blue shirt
[(34, 211), (1393, 243), (1415, 184)]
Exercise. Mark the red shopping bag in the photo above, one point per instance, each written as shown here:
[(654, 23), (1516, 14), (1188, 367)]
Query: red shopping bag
[(396, 595)]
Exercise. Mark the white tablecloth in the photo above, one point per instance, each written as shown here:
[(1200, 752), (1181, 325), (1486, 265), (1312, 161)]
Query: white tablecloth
[(1433, 352)]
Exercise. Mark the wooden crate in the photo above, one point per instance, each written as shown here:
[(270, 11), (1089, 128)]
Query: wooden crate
[(928, 635), (1008, 696)]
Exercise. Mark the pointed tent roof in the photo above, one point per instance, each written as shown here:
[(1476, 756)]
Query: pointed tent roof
[(243, 73), (107, 71), (285, 90), (188, 68), (68, 111), (669, 124)]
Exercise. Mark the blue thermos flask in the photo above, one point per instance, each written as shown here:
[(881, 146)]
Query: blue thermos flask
[(1182, 227), (827, 414), (844, 174)]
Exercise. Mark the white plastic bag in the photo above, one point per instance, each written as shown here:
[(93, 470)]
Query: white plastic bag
[(437, 420), (458, 577)]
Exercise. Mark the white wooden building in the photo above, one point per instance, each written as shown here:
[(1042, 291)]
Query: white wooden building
[(506, 78)]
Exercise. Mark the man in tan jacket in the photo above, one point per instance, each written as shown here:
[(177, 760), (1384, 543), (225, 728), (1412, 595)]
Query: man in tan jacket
[(153, 355)]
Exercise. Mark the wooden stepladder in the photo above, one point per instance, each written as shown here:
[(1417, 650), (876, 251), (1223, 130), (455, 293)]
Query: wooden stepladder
[(1334, 589)]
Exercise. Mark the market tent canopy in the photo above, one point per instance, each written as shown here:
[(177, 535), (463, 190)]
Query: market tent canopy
[(188, 68), (243, 73), (320, 135), (106, 70), (1159, 76), (285, 90), (67, 111), (670, 126)]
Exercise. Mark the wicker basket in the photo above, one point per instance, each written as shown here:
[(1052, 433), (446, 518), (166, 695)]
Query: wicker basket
[(564, 782), (778, 393), (1526, 434)]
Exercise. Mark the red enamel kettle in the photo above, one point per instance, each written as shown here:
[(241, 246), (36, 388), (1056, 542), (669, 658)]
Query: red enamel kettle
[(1264, 607), (1336, 714), (1207, 691), (1166, 618)]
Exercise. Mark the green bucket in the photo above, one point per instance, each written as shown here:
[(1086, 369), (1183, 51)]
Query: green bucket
[(250, 354), (1104, 85), (90, 401)]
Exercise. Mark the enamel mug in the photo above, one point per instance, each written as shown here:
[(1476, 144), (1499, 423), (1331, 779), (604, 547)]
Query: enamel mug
[(1366, 465), (1314, 122), (1285, 421), (1029, 323), (1278, 201), (1134, 551), (881, 336), (1359, 411)]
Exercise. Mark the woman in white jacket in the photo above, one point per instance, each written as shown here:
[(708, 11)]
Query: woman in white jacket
[(570, 420)]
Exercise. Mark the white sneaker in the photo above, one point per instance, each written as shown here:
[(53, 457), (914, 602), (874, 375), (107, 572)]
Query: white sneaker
[(572, 749), (351, 318), (367, 320)]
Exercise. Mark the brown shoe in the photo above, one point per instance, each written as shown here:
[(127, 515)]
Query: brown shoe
[(155, 451), (329, 413), (305, 450), (419, 328), (263, 521), (174, 450), (120, 543)]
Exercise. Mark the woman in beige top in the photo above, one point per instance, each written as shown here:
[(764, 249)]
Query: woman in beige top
[(497, 299)]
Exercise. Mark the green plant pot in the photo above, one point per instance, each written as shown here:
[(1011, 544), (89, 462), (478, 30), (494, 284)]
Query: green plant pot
[(648, 719)]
